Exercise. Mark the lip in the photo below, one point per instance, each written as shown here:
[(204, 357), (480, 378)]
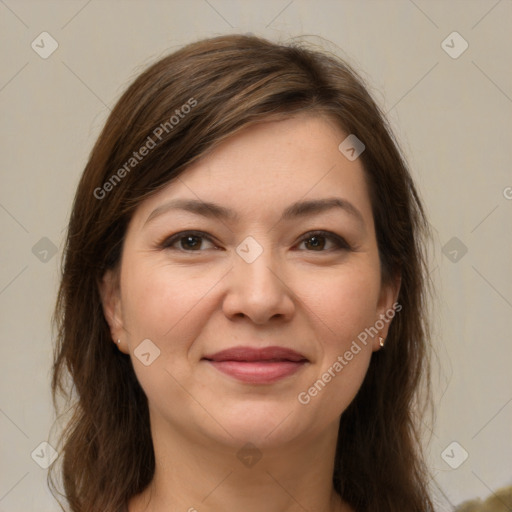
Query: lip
[(257, 365)]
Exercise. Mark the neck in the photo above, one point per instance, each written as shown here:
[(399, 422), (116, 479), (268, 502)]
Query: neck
[(196, 474)]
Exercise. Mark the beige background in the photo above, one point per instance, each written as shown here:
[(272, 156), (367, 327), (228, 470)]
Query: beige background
[(453, 117)]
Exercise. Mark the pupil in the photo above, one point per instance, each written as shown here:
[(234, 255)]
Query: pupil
[(315, 241), (191, 241)]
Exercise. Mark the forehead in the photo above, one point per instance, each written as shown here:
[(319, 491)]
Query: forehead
[(266, 166)]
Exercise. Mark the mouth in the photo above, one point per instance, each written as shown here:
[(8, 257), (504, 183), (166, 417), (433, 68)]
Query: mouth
[(257, 365)]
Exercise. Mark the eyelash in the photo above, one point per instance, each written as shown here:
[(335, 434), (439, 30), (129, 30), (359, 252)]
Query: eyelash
[(340, 243)]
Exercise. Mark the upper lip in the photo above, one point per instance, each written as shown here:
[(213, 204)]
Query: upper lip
[(251, 354)]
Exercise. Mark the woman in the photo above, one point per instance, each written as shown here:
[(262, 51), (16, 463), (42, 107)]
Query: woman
[(242, 300)]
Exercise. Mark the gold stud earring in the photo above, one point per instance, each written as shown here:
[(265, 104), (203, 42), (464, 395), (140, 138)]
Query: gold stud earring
[(381, 341)]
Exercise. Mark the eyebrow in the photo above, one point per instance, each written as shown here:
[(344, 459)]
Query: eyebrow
[(295, 210)]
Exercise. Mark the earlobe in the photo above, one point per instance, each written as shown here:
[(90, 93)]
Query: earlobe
[(110, 299), (387, 308)]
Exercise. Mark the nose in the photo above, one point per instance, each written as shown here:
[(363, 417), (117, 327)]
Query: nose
[(259, 291)]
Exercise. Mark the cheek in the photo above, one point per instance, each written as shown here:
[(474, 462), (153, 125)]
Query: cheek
[(344, 304), (167, 306), (159, 300)]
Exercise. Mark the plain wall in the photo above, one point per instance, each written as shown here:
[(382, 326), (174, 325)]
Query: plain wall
[(452, 116)]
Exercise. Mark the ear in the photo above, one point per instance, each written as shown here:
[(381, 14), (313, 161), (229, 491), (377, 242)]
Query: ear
[(387, 308), (110, 294)]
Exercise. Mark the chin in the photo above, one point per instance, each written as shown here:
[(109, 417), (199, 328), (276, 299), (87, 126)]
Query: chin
[(263, 423)]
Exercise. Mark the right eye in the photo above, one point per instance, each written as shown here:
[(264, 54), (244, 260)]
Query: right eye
[(188, 241)]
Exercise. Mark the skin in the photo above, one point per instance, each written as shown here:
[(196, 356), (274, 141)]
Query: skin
[(193, 299)]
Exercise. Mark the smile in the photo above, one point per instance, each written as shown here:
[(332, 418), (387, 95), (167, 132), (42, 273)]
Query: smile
[(257, 366)]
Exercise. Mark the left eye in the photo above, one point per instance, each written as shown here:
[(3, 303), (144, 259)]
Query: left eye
[(318, 240)]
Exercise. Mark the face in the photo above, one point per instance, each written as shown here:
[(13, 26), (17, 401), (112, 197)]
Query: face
[(246, 286)]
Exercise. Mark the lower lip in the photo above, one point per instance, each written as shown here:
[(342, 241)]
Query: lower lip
[(258, 372)]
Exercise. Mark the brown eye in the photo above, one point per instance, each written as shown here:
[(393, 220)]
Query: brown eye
[(190, 242), (186, 241), (317, 241)]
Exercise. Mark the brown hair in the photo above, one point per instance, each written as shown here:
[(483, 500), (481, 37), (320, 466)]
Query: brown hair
[(230, 82)]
